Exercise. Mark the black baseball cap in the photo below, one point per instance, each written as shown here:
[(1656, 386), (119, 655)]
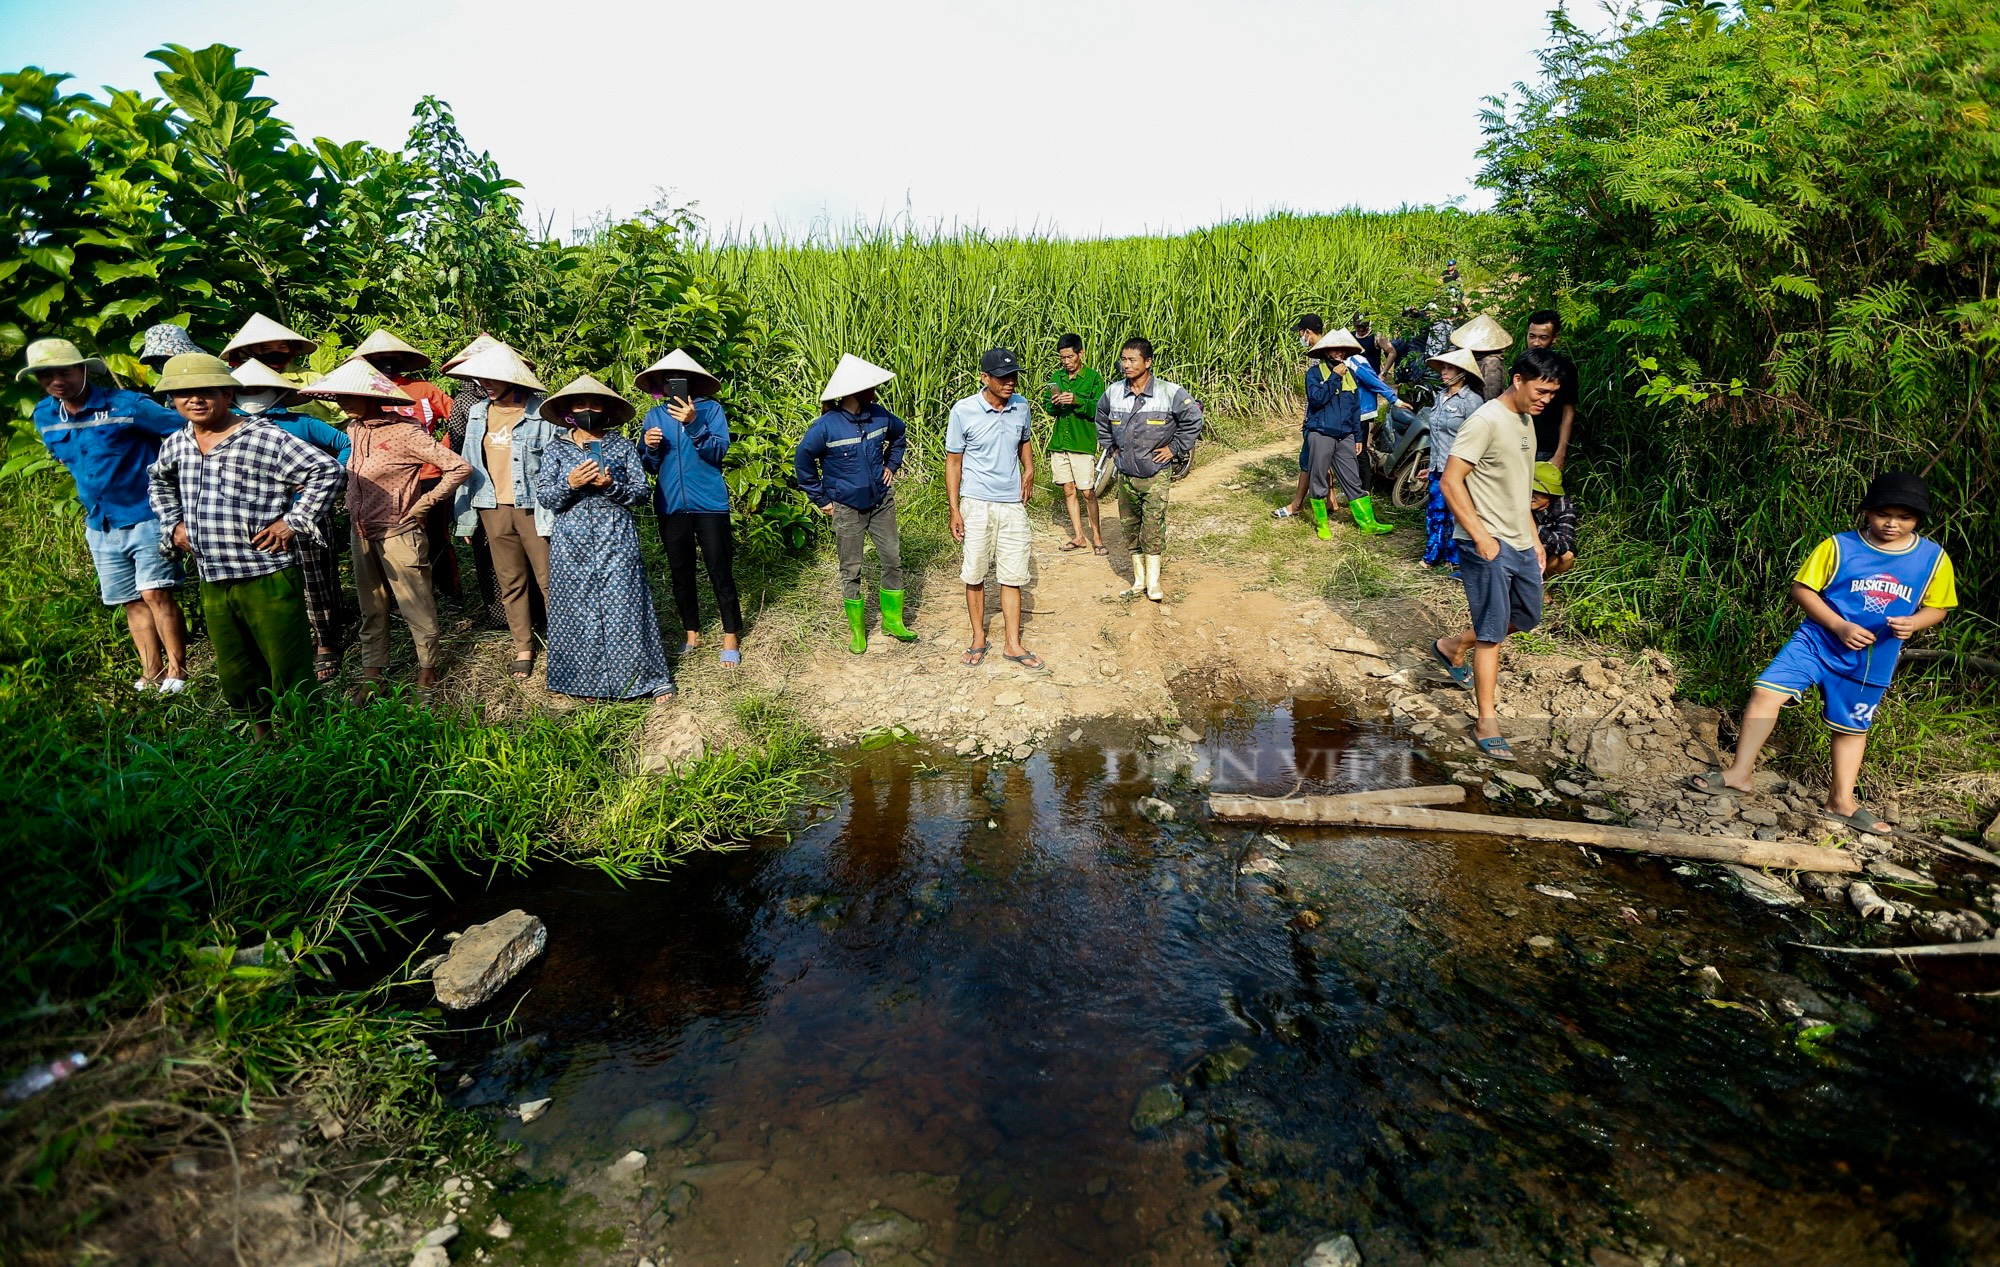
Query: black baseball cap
[(999, 362), (1898, 488)]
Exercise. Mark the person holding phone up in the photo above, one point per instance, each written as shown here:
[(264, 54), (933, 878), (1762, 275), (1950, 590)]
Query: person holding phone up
[(604, 638), (683, 441)]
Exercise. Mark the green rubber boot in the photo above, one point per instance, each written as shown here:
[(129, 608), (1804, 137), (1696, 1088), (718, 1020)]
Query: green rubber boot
[(1319, 519), (1364, 516), (892, 617), (857, 624)]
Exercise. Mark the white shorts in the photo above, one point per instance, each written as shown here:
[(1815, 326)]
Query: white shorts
[(1079, 469), (996, 536)]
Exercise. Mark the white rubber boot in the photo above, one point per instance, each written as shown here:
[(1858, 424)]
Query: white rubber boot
[(1138, 577), (1153, 590)]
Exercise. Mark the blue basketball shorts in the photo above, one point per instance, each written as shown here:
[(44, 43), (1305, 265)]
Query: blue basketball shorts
[(1850, 705)]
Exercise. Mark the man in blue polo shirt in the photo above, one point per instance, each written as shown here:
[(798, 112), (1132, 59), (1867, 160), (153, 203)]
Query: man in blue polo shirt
[(989, 469), (107, 437)]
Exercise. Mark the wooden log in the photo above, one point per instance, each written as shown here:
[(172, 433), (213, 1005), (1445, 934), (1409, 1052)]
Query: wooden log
[(1310, 809), (1984, 946), (1749, 853)]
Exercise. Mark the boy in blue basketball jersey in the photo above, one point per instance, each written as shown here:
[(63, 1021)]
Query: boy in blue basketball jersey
[(1864, 594)]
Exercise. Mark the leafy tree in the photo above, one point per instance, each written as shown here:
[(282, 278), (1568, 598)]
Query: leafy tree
[(1773, 231)]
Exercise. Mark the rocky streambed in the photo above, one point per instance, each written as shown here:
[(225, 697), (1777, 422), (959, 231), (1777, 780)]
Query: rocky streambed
[(989, 1012)]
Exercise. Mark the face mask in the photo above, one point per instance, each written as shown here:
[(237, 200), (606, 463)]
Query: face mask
[(587, 419), (257, 402)]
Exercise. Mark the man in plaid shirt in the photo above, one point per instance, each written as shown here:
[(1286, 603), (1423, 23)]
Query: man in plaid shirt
[(233, 492)]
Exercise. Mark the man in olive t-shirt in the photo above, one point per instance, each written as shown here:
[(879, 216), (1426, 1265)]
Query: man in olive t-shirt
[(1488, 481)]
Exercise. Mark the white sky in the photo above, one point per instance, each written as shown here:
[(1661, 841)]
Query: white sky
[(1085, 117)]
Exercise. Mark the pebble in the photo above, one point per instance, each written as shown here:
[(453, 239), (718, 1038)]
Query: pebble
[(629, 1168), (1550, 890), (1155, 810), (1157, 1105), (1883, 869), (1009, 699), (1076, 734), (443, 1234), (680, 1197), (1521, 779), (1022, 752), (966, 745), (1708, 980), (431, 1256), (1761, 817), (1337, 1251), (882, 1228), (1567, 788), (1598, 814), (1159, 741), (500, 1229), (840, 1258), (658, 1124), (1188, 734), (529, 1110)]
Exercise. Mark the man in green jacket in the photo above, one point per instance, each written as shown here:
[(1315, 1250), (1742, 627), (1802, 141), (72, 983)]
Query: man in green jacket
[(1072, 402)]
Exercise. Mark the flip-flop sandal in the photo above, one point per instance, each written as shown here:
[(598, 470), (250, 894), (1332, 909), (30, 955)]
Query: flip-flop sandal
[(1496, 748), (1862, 821), (1710, 781), (1100, 549), (978, 655), (1027, 660), (1461, 676), (686, 649), (1283, 512), (1070, 547), (326, 667), (522, 669), (731, 657)]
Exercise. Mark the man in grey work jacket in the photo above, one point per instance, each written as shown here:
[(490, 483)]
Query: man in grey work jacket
[(847, 463), (1148, 424)]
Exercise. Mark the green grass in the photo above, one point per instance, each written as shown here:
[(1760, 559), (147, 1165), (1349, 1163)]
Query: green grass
[(141, 829)]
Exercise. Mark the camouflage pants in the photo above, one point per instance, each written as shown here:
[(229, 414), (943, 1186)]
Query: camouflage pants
[(1142, 509)]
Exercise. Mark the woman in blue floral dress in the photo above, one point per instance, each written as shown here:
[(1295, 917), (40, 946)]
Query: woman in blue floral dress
[(603, 638), (1455, 404)]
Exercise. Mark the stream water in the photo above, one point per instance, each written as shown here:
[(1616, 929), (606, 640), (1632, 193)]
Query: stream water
[(990, 1015)]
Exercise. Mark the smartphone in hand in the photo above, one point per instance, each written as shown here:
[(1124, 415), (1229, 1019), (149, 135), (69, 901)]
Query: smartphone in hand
[(597, 452), (678, 390)]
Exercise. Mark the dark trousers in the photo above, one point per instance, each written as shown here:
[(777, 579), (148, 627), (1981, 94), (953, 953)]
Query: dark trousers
[(439, 552), (680, 533)]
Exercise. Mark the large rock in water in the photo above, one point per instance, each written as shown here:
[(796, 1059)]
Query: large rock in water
[(486, 958)]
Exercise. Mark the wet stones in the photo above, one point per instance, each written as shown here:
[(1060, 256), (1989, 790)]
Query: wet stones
[(658, 1125), (1335, 1251), (1219, 1067), (882, 1229), (1155, 810), (1767, 889), (630, 1168), (1156, 1106), (486, 958)]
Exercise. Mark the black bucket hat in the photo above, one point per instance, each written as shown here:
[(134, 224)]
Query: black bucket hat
[(1898, 488)]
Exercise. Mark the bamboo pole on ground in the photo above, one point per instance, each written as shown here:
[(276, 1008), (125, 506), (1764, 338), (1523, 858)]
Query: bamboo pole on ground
[(1333, 811), (1310, 809)]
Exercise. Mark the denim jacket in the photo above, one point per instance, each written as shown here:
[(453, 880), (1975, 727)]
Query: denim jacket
[(531, 435)]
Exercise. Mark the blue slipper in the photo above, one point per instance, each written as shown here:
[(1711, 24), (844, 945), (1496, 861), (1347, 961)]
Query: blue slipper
[(1496, 748), (1460, 675), (731, 657), (686, 649)]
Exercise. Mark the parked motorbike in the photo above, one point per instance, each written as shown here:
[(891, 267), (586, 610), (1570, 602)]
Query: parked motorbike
[(1400, 449)]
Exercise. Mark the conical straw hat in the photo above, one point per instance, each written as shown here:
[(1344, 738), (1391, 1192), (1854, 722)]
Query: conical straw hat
[(382, 342), (261, 329), (853, 375), (1460, 358), (358, 378), (582, 387), (1482, 334), (479, 344), (257, 376), (677, 362), (501, 364), (1338, 340)]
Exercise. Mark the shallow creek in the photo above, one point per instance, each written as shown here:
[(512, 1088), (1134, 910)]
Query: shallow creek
[(995, 1001)]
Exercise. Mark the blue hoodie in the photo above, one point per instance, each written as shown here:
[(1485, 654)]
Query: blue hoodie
[(687, 467), (841, 457)]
